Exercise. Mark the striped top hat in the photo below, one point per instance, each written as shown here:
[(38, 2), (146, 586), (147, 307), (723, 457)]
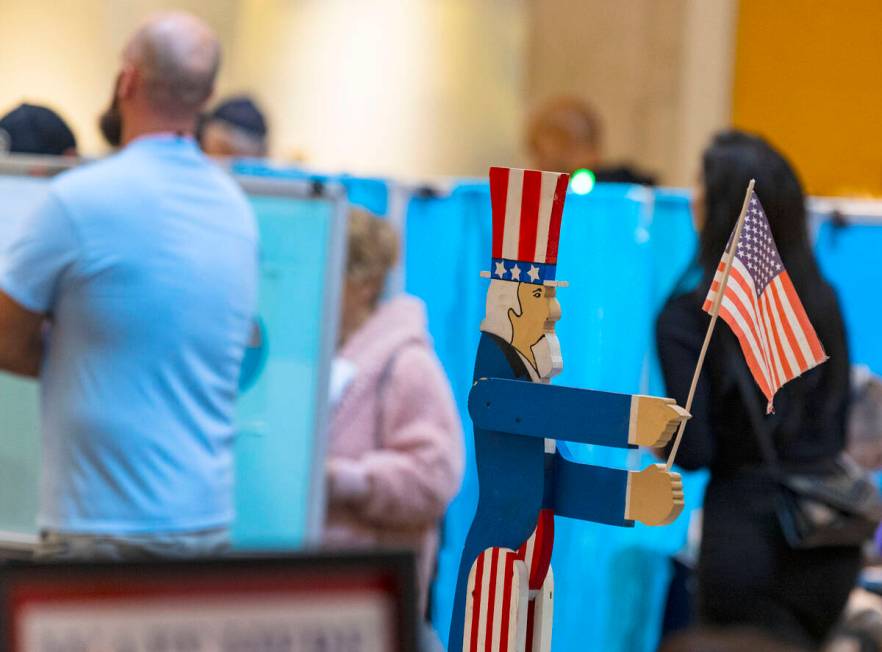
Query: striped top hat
[(527, 210)]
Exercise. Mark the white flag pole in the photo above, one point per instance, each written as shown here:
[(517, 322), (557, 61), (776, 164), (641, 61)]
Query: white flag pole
[(715, 312)]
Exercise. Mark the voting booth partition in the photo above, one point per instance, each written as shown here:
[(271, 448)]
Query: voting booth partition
[(624, 249)]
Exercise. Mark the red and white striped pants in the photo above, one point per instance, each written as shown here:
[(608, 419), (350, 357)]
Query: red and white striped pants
[(508, 606)]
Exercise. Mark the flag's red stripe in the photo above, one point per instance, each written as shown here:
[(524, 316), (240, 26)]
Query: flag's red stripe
[(508, 589), (788, 330), (757, 323), (749, 315), (557, 204), (476, 603), (529, 214), (491, 600), (765, 344), (808, 330), (749, 312), (755, 369), (498, 197), (789, 372)]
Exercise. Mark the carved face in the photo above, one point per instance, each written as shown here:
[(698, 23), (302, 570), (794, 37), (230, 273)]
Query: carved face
[(524, 315), (539, 312)]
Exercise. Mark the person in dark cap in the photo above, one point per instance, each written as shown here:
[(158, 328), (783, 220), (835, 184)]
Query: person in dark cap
[(32, 129), (235, 128)]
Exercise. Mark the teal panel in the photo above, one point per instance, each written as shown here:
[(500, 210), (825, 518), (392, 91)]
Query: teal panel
[(278, 414), (19, 406), (19, 456)]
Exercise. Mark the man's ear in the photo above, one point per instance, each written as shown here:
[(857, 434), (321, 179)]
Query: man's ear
[(129, 77)]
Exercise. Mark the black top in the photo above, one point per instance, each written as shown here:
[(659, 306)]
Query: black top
[(808, 425)]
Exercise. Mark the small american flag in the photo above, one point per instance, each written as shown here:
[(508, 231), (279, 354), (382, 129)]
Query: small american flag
[(761, 306)]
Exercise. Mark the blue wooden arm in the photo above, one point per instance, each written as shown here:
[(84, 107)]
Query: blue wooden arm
[(537, 410), (588, 493)]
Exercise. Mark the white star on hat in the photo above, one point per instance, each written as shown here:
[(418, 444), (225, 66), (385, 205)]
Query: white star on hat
[(515, 273), (533, 273), (500, 269)]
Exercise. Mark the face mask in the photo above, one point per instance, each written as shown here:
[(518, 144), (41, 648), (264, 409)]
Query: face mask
[(546, 352), (110, 122)]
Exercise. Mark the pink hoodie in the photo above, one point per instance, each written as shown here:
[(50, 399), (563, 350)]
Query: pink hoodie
[(396, 451)]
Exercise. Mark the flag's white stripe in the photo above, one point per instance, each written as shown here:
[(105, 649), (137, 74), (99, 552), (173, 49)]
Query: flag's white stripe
[(748, 301), (743, 327), (546, 199), (770, 336), (752, 303), (512, 233), (485, 590), (798, 333), (500, 592), (782, 333), (745, 298), (765, 342), (711, 293)]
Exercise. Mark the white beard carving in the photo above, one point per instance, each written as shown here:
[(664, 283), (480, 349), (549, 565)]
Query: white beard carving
[(546, 352)]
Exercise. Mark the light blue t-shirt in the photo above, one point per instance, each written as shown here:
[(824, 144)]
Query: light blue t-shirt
[(146, 263)]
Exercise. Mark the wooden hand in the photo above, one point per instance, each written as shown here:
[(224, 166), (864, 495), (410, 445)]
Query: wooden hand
[(655, 496), (654, 420)]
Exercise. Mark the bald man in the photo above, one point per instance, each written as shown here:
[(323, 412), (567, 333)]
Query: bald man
[(129, 294)]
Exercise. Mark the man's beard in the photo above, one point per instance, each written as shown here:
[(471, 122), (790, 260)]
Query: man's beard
[(110, 121), (546, 353)]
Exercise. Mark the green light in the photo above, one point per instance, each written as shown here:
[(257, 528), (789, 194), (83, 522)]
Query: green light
[(582, 181)]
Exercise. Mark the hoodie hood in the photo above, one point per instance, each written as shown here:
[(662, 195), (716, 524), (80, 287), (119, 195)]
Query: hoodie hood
[(397, 321)]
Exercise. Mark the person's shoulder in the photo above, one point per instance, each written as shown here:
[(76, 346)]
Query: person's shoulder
[(683, 307), (87, 177), (228, 190), (83, 189), (826, 293)]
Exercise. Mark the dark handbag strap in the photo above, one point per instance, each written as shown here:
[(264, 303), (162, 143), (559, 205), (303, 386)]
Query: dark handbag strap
[(746, 386)]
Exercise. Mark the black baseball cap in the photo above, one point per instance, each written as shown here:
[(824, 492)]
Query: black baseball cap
[(32, 129), (242, 113)]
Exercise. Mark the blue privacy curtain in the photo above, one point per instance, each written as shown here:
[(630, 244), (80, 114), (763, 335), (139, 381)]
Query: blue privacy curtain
[(849, 257)]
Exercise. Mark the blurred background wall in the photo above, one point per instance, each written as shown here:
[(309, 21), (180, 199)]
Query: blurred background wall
[(809, 76), (442, 87)]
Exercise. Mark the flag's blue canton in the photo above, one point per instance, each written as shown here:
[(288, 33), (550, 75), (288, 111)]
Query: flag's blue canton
[(756, 248)]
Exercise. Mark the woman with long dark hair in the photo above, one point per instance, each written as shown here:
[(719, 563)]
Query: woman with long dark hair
[(747, 572)]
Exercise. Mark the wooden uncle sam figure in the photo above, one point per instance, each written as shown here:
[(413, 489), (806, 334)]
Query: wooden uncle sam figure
[(504, 590)]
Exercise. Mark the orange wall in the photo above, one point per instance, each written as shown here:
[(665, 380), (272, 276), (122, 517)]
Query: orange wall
[(808, 75)]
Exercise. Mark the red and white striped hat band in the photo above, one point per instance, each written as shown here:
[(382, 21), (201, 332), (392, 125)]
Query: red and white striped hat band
[(527, 210)]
